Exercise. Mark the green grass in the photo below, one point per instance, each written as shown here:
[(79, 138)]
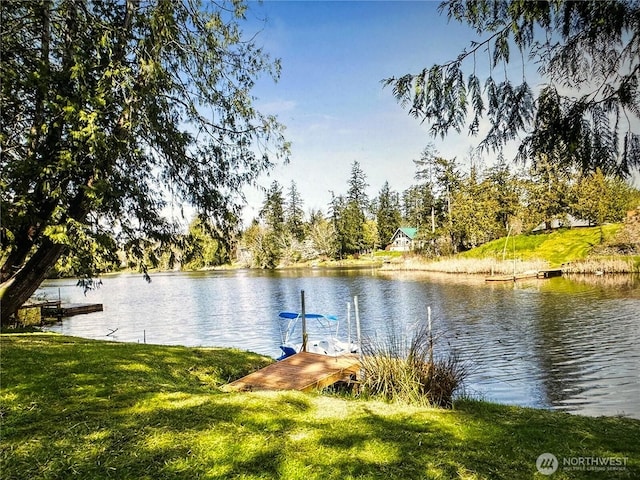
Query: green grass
[(74, 408), (558, 247)]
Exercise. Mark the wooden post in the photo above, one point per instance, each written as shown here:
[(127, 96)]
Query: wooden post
[(430, 338), (349, 323), (358, 331), (304, 323)]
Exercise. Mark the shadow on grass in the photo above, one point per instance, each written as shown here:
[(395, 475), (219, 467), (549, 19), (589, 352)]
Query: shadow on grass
[(80, 409)]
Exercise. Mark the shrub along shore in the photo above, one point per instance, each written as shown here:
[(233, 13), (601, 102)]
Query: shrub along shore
[(76, 408)]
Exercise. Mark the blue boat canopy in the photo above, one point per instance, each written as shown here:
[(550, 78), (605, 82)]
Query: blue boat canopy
[(294, 315)]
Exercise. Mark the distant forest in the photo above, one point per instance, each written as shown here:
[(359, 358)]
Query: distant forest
[(453, 210)]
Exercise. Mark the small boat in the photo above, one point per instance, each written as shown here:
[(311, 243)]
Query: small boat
[(322, 335)]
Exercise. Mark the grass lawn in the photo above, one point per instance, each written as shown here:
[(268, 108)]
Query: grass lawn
[(558, 247), (74, 408)]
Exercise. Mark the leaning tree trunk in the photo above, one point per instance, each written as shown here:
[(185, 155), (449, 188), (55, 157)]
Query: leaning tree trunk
[(19, 288)]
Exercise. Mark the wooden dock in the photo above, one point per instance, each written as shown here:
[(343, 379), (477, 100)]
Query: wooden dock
[(70, 309), (521, 276), (303, 371)]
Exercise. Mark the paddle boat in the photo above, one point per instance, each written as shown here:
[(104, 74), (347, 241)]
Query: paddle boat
[(322, 335)]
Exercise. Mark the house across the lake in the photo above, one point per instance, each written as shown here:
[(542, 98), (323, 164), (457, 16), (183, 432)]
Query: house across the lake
[(403, 240)]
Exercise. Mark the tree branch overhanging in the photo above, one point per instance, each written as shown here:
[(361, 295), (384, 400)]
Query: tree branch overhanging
[(576, 35)]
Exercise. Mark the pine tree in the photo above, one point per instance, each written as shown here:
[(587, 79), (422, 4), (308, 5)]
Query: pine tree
[(388, 215), (294, 212)]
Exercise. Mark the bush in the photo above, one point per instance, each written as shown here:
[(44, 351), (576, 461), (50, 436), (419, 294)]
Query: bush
[(398, 370)]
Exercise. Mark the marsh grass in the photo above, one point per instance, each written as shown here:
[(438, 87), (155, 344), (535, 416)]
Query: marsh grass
[(399, 369), (74, 408), (604, 264), (472, 266)]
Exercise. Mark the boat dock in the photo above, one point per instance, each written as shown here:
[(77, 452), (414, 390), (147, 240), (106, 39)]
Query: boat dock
[(70, 309), (303, 371), (521, 276)]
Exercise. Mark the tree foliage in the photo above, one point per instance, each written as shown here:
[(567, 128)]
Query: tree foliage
[(109, 108), (274, 239), (354, 212), (473, 213), (388, 214), (200, 249), (600, 199), (547, 193), (587, 112), (470, 206), (294, 213)]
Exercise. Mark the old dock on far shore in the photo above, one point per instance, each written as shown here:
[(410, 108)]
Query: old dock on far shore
[(524, 275)]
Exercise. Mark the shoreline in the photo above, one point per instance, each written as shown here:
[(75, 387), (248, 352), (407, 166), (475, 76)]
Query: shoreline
[(628, 265)]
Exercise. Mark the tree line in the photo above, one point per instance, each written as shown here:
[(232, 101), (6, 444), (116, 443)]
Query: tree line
[(452, 208)]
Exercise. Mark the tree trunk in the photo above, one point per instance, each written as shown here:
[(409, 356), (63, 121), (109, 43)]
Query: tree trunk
[(24, 244), (16, 291)]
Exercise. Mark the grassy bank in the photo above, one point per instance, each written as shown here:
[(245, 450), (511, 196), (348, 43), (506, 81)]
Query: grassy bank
[(557, 248), (73, 408), (576, 250)]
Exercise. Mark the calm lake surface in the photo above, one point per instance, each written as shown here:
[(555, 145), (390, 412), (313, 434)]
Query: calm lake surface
[(567, 344)]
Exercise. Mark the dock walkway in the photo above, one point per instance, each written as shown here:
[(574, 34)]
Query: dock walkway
[(521, 276), (70, 309), (303, 371)]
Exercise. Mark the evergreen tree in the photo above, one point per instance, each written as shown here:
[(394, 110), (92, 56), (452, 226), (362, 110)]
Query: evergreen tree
[(110, 107), (200, 248), (275, 238), (337, 209), (272, 211), (507, 190), (473, 218), (294, 213), (588, 55), (354, 212), (600, 199), (357, 187), (418, 209), (422, 197), (547, 193), (388, 214)]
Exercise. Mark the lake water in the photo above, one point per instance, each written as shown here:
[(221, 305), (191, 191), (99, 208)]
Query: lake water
[(567, 344)]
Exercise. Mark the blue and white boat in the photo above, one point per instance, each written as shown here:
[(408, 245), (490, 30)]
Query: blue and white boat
[(322, 335)]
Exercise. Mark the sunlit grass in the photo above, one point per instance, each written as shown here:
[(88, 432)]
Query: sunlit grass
[(556, 248), (73, 408)]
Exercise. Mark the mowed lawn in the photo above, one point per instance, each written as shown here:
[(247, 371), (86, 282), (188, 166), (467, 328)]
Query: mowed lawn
[(74, 408)]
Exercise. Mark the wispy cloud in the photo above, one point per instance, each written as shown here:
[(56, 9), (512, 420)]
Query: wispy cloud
[(277, 107)]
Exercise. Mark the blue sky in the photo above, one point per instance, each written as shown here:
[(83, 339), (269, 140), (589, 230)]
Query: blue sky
[(330, 96)]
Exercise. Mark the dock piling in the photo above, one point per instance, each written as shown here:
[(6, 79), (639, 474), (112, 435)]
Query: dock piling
[(305, 335), (358, 331)]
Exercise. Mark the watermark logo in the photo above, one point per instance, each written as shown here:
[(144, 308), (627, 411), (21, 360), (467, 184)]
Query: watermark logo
[(547, 464)]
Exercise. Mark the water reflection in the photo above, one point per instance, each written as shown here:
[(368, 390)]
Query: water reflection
[(569, 344)]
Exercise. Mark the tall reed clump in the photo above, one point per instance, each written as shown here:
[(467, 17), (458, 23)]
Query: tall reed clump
[(398, 369)]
